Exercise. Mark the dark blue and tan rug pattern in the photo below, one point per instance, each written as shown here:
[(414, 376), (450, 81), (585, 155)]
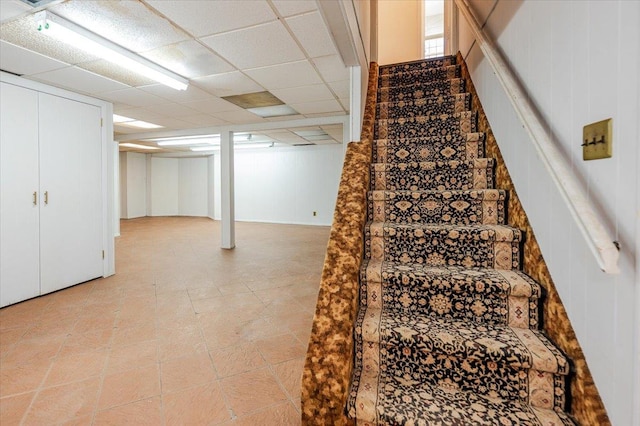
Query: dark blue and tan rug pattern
[(447, 329)]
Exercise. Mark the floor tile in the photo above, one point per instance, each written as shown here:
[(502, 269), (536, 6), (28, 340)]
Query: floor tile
[(237, 359), (146, 412), (200, 405), (133, 356), (76, 367), (252, 391), (63, 403), (281, 415), (186, 372), (23, 378), (13, 408), (129, 386), (281, 348), (290, 375)]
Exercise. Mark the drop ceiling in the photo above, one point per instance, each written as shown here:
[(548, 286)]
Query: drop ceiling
[(224, 48)]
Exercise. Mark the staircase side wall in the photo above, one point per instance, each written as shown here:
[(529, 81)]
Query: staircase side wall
[(579, 61)]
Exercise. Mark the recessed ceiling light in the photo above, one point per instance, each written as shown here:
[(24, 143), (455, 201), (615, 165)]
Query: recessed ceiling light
[(210, 140), (137, 146), (273, 111), (121, 120)]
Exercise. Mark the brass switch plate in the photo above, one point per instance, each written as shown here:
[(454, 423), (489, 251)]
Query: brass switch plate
[(597, 140)]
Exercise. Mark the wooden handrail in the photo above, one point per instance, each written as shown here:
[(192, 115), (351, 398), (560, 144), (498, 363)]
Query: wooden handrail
[(590, 225)]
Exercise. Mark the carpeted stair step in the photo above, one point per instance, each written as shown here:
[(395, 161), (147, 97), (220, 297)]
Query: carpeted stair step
[(426, 126), (419, 76), (490, 296), (417, 65), (496, 361), (477, 246), (438, 175), (443, 104), (420, 91), (467, 146), (454, 207), (409, 403)]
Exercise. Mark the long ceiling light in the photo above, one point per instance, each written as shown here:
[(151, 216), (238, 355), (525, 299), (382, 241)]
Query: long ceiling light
[(77, 36)]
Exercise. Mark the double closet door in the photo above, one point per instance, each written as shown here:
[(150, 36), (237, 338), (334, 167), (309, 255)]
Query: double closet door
[(50, 193)]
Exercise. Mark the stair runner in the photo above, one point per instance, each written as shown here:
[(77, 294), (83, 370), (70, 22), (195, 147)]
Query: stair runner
[(447, 329)]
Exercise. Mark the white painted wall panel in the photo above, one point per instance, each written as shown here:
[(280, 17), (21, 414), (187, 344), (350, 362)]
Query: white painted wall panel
[(193, 187), (164, 186), (582, 67), (286, 185), (211, 194), (136, 185)]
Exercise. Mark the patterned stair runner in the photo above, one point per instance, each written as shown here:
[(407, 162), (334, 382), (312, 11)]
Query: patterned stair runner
[(447, 330)]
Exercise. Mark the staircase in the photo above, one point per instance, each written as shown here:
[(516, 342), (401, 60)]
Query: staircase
[(447, 329)]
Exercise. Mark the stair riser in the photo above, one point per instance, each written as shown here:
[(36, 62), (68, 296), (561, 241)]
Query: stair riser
[(539, 389), (424, 107), (422, 76), (438, 248), (416, 66), (464, 303), (417, 176), (429, 90), (431, 208), (461, 147), (425, 126)]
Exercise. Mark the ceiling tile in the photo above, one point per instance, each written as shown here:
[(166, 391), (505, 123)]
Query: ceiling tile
[(192, 93), (239, 116), (314, 92), (312, 33), (292, 74), (326, 142), (294, 7), (171, 109), (189, 59), (318, 107), (130, 24), (23, 32), (335, 131), (331, 68), (202, 120), (21, 61), (285, 136), (259, 46), (78, 80), (116, 72), (202, 18), (173, 123), (139, 114), (212, 105), (231, 83), (12, 8), (133, 97), (345, 104), (341, 88)]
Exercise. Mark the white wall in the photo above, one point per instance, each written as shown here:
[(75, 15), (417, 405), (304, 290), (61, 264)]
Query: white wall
[(193, 187), (399, 31), (133, 185), (285, 185), (165, 173), (579, 61)]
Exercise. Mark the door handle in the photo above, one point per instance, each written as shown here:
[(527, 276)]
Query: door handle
[(35, 198), (46, 197)]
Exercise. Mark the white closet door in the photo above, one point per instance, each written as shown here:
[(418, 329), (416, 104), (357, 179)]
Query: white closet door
[(70, 181), (19, 245)]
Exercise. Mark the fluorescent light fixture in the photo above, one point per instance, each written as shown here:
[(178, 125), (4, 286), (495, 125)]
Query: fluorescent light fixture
[(136, 146), (190, 141), (121, 120), (77, 36), (205, 148)]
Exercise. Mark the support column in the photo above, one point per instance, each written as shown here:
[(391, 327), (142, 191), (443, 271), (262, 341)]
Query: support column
[(355, 103), (226, 189)]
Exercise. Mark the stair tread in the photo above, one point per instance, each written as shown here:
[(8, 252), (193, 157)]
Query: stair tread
[(516, 347), (474, 193), (424, 404), (481, 232), (427, 118), (471, 136), (513, 282), (429, 165)]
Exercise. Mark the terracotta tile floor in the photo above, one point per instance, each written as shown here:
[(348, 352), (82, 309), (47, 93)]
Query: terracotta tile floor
[(184, 334)]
